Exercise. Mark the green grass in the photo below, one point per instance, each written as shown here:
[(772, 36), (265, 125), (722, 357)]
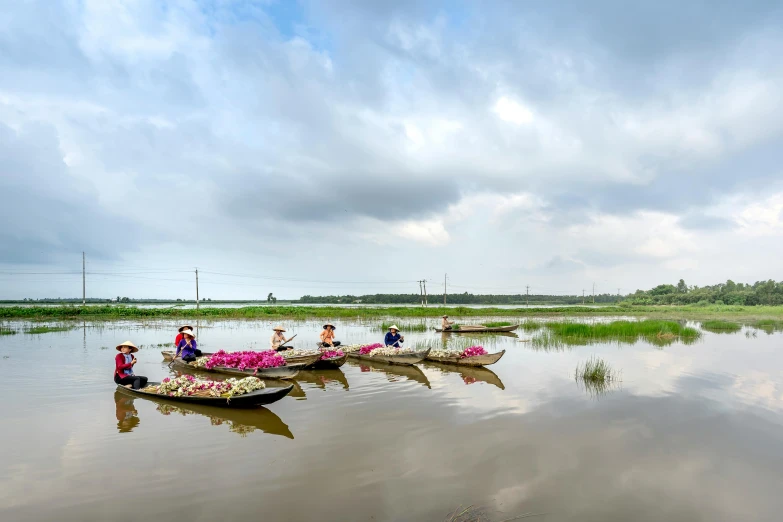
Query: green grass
[(595, 371), (496, 324), (768, 325), (404, 326), (530, 326), (623, 329), (36, 330), (334, 312), (5, 330), (721, 326)]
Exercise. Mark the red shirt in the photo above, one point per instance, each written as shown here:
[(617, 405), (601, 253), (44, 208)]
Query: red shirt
[(119, 365), (178, 339)]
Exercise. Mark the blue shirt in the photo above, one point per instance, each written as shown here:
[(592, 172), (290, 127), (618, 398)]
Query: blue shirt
[(188, 350), (391, 338)]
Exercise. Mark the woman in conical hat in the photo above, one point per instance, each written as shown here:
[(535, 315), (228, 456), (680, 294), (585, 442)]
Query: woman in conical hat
[(179, 336), (187, 347), (278, 339), (327, 336), (393, 337), (123, 367)]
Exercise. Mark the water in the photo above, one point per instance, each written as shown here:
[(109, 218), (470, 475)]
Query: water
[(692, 433)]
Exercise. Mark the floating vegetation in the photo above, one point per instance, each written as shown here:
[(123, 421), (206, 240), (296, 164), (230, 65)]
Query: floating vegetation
[(496, 324), (769, 325), (721, 326), (657, 332), (37, 330), (596, 371), (404, 326), (6, 330)]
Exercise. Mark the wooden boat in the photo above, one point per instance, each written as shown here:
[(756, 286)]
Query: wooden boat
[(306, 360), (403, 359), (477, 360), (332, 362), (248, 400), (289, 371), (480, 329), (468, 374), (393, 372), (320, 378)]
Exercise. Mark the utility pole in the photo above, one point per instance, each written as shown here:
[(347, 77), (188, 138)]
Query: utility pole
[(426, 302), (444, 289), (421, 292), (593, 292), (197, 289), (527, 295), (84, 283), (583, 296)]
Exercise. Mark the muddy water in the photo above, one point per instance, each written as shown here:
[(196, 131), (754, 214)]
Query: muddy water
[(692, 433)]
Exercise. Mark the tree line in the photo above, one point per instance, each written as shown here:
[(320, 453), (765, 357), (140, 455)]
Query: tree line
[(460, 299), (759, 293)]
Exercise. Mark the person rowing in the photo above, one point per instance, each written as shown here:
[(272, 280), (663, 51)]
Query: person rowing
[(187, 347), (445, 323), (327, 336), (278, 340), (393, 337), (179, 335), (123, 367)]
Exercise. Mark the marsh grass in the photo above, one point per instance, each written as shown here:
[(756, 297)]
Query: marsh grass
[(405, 326), (530, 326), (37, 330), (721, 326), (768, 325), (595, 371), (496, 324), (6, 330), (656, 331)]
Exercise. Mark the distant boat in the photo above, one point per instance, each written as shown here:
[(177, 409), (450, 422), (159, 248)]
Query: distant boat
[(479, 329)]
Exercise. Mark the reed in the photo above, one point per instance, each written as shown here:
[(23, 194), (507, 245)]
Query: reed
[(37, 330), (6, 330), (530, 326), (595, 371), (768, 325), (721, 326), (633, 330), (496, 324), (404, 326)]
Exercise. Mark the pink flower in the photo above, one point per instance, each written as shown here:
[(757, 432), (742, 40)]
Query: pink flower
[(330, 354), (364, 350), (473, 351)]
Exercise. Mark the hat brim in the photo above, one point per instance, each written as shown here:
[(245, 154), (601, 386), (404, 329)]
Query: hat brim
[(184, 327), (133, 348), (330, 324), (278, 329)]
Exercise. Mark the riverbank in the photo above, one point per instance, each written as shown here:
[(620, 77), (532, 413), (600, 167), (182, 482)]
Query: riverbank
[(334, 312)]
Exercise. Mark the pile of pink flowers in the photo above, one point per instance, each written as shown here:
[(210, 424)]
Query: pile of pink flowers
[(367, 348), (329, 354), (473, 351), (245, 360)]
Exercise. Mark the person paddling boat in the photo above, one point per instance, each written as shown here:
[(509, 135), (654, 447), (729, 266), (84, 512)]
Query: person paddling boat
[(393, 337), (278, 340), (187, 347), (179, 335), (327, 336), (123, 367), (446, 324)]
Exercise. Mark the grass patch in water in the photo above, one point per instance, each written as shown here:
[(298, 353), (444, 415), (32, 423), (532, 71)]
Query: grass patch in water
[(530, 326), (36, 330), (768, 325), (404, 326), (721, 326), (496, 324), (5, 330), (595, 371), (624, 330)]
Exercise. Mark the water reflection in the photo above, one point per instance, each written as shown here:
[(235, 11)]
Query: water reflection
[(469, 374), (320, 378), (127, 416), (238, 421), (393, 372)]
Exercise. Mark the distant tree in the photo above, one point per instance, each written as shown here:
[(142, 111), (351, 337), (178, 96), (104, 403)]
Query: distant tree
[(270, 297), (682, 287)]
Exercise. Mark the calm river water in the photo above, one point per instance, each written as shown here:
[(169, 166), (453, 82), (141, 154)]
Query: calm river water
[(693, 432)]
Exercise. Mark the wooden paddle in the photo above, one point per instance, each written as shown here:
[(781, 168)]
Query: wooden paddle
[(288, 341)]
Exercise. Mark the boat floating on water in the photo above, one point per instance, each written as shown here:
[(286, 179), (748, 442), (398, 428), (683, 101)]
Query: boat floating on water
[(479, 329), (247, 400), (475, 361), (289, 371), (402, 359)]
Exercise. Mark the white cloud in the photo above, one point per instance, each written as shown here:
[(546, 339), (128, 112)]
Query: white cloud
[(512, 111)]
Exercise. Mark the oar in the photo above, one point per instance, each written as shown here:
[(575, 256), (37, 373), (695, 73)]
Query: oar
[(288, 341)]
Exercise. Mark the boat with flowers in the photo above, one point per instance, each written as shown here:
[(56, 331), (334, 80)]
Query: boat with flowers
[(200, 392), (278, 372), (386, 354), (306, 358), (467, 328), (462, 359)]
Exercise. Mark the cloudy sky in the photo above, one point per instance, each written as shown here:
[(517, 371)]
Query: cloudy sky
[(335, 146)]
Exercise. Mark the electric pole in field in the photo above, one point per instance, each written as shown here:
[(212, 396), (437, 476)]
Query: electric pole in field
[(527, 295), (593, 292), (84, 283), (444, 289), (197, 289), (421, 291), (426, 302), (583, 296)]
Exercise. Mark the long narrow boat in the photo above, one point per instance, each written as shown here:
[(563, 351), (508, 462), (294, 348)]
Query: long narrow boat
[(393, 372), (247, 400), (332, 362), (476, 360), (468, 374), (480, 329), (289, 371), (307, 360), (402, 359)]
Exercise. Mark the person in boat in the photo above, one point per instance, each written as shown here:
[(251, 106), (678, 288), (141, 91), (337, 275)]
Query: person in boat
[(278, 340), (179, 335), (187, 347), (123, 367), (445, 323), (327, 336), (393, 337)]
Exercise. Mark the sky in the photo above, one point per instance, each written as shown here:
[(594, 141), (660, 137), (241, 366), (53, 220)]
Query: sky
[(345, 146)]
